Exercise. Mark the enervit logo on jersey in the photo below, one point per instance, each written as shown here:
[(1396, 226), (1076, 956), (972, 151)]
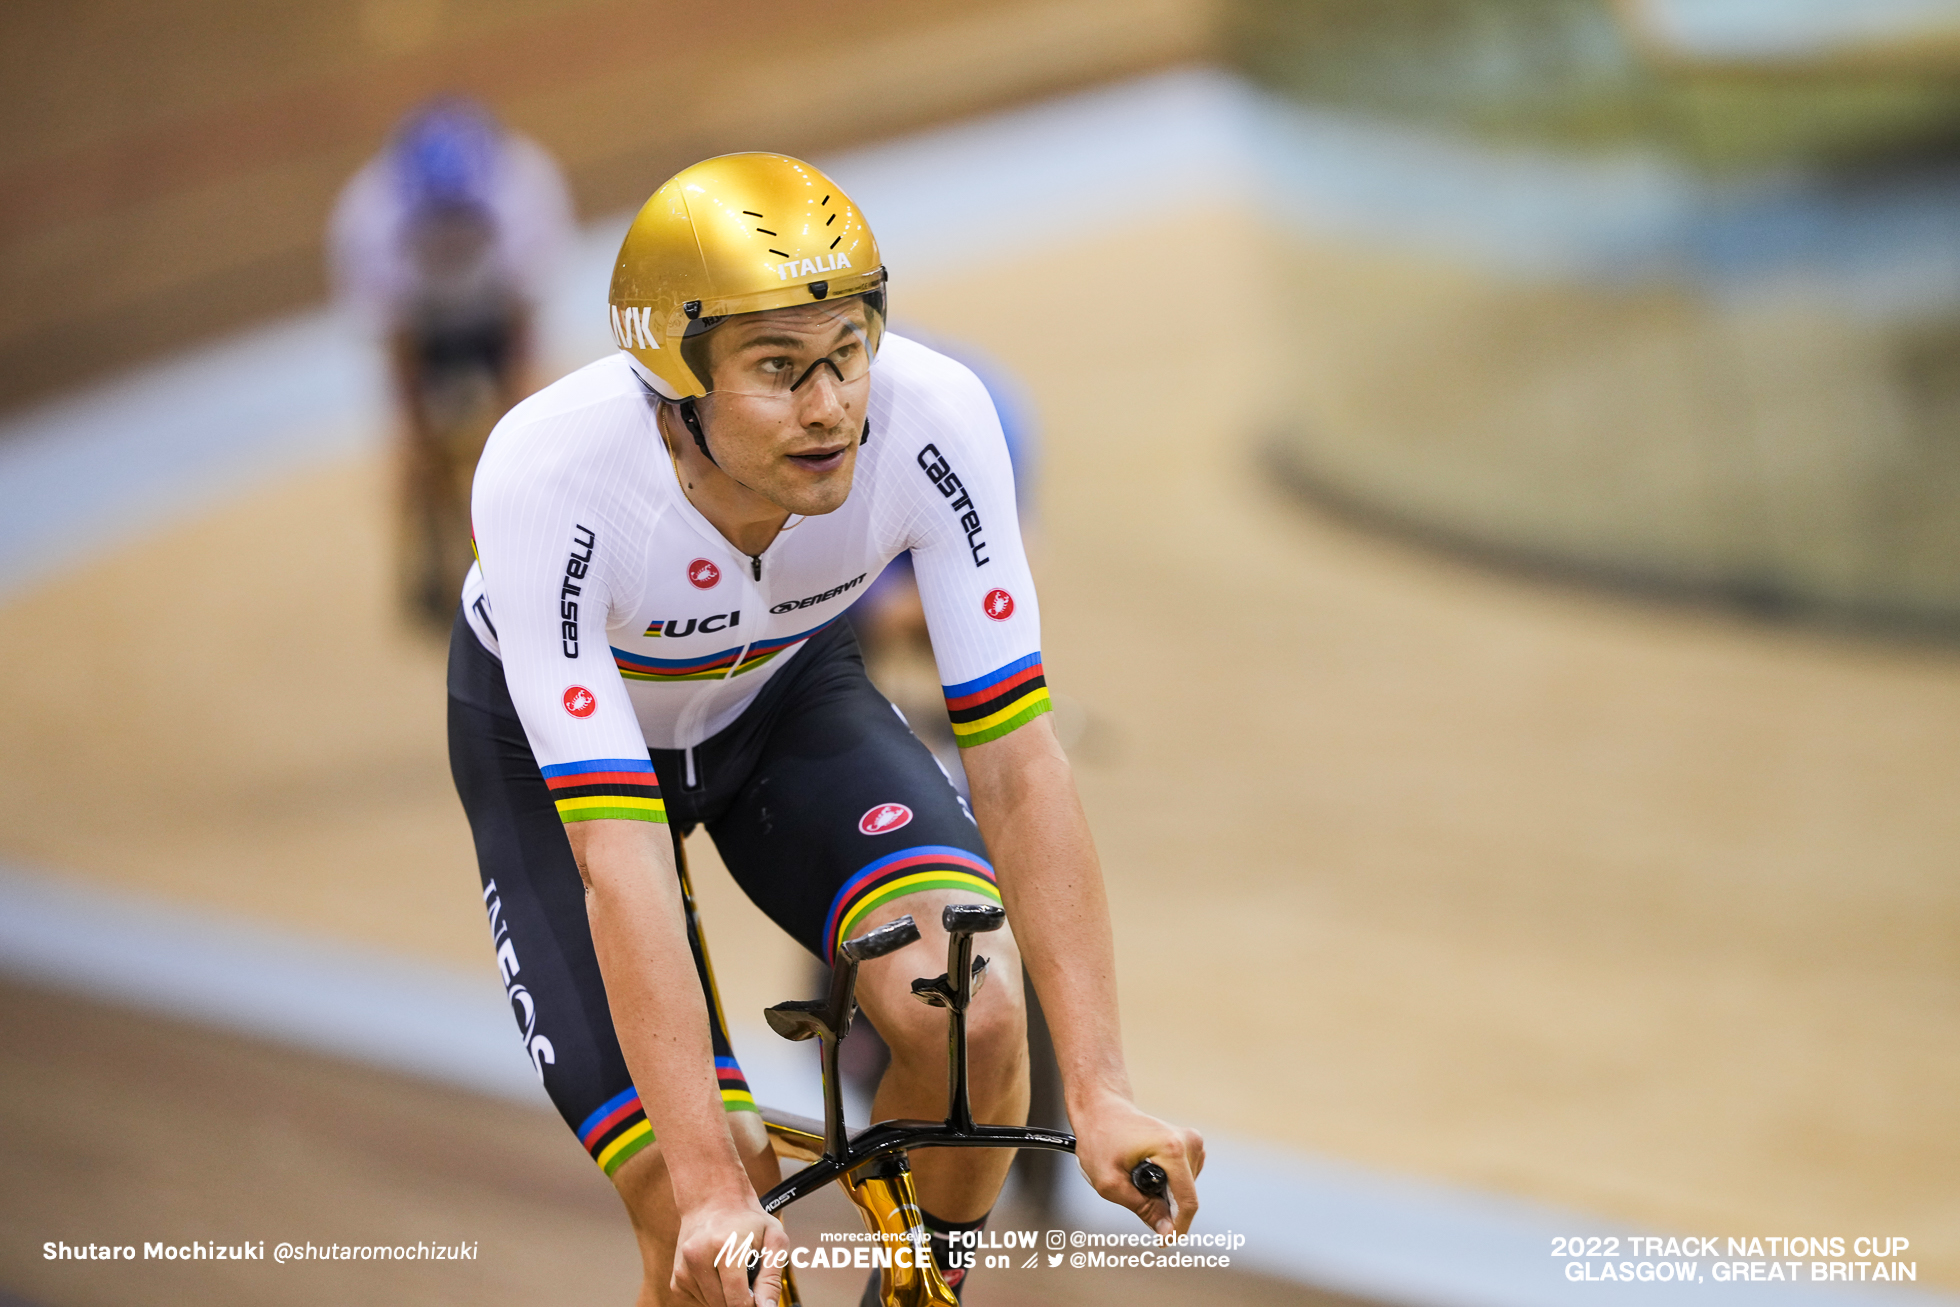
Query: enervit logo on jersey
[(703, 574), (998, 605), (579, 701), (791, 605), (884, 818)]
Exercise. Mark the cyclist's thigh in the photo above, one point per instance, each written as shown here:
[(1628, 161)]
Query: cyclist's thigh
[(535, 903), (845, 811)]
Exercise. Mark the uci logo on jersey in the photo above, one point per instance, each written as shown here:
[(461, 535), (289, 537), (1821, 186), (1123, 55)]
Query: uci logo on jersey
[(674, 630), (811, 267)]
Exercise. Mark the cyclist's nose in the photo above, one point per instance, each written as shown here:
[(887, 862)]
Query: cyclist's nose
[(820, 399)]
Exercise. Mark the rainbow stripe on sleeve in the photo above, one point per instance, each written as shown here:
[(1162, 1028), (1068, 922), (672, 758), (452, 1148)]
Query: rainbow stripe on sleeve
[(1005, 699), (622, 789), (927, 866)]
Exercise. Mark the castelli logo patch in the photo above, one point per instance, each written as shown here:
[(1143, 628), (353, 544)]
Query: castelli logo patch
[(999, 605), (579, 701), (885, 817), (703, 574)]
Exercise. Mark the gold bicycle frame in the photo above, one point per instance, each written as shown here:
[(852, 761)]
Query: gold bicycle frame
[(888, 1204)]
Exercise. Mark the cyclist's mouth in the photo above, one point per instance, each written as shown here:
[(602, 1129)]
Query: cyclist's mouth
[(822, 460)]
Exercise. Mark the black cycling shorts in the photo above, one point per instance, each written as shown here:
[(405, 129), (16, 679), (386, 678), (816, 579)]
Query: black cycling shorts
[(819, 798)]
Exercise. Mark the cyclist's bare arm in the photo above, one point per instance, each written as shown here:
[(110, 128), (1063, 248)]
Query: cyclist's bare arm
[(633, 902), (1025, 800)]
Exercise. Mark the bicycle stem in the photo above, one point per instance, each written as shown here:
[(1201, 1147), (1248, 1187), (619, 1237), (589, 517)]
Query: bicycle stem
[(839, 1006), (959, 970)]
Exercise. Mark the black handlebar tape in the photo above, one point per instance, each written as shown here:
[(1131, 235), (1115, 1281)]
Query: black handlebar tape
[(971, 918), (888, 938), (1150, 1179)]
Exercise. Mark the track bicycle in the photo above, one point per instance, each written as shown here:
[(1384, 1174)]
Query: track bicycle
[(870, 1164), (453, 388)]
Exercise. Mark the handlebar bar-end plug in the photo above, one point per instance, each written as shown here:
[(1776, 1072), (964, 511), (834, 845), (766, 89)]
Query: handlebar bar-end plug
[(1150, 1179)]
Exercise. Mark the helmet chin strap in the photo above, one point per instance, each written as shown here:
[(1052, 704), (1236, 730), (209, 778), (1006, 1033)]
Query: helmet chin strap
[(692, 419)]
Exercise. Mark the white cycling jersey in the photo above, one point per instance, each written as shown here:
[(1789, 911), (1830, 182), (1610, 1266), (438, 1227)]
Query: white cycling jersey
[(625, 620)]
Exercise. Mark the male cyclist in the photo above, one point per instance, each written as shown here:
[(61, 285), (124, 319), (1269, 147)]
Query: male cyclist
[(443, 243), (667, 539)]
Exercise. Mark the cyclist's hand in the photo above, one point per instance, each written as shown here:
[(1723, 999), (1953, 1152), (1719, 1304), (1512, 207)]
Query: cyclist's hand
[(704, 1233), (1115, 1136)]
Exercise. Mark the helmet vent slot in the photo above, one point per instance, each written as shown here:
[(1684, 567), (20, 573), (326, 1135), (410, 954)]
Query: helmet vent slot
[(780, 253), (832, 218), (765, 231), (833, 244), (750, 213), (826, 200)]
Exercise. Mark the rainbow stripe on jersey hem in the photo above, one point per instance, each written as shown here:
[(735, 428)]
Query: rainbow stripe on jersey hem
[(1004, 700), (708, 667), (908, 871), (619, 789), (762, 651), (619, 1128)]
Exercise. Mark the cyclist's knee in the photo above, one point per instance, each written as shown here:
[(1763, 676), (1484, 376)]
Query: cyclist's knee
[(997, 1033), (996, 1028)]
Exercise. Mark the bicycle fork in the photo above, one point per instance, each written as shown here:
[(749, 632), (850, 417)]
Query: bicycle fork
[(888, 1204)]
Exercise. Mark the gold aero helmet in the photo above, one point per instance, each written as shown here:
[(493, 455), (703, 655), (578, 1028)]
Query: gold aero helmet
[(735, 234)]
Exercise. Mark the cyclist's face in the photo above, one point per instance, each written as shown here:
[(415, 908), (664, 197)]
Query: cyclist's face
[(787, 408)]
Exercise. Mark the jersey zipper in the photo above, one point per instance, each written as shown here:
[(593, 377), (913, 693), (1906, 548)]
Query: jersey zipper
[(755, 568)]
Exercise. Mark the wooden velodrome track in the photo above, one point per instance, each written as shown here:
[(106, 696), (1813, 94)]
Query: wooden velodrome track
[(1645, 911), (1642, 910)]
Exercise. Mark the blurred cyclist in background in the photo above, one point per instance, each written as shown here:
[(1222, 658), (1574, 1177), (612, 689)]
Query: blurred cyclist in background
[(444, 243)]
